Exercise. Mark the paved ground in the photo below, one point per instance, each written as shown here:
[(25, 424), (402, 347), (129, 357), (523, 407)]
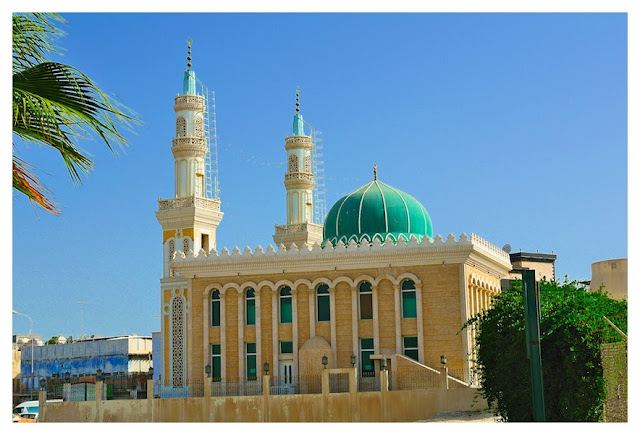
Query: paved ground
[(462, 417)]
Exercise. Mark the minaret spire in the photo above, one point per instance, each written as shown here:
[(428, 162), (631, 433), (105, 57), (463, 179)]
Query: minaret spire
[(298, 121), (189, 81), (375, 172), (189, 42)]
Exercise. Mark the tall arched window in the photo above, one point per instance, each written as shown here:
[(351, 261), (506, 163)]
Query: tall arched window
[(197, 127), (307, 163), (177, 340), (293, 163), (181, 127), (408, 299), (250, 306), (215, 307), (185, 245), (366, 300), (172, 249), (285, 305), (322, 303)]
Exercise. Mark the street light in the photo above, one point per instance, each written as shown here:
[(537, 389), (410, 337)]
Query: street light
[(31, 338), (443, 360), (99, 375)]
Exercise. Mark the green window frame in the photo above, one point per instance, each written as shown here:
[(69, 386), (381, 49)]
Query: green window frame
[(216, 363), (251, 365), (410, 347), (367, 367), (366, 300), (215, 307), (250, 306), (409, 307), (323, 303), (286, 311), (286, 347)]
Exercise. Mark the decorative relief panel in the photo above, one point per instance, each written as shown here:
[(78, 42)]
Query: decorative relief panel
[(293, 163), (181, 127), (177, 341)]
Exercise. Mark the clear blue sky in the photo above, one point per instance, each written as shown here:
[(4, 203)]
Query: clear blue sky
[(510, 126)]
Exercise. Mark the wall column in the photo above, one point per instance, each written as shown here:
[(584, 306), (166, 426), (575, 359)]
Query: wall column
[(241, 371), (397, 310), (223, 335), (294, 331), (420, 323), (376, 321), (354, 323), (312, 313), (332, 317), (206, 349), (258, 334), (274, 330)]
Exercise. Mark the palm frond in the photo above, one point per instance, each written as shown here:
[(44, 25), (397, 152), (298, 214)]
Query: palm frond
[(26, 182), (55, 103), (32, 38)]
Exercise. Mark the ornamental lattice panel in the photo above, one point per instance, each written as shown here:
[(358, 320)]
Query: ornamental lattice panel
[(177, 341)]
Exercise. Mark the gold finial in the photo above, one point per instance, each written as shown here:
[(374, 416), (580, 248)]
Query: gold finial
[(189, 53), (375, 172)]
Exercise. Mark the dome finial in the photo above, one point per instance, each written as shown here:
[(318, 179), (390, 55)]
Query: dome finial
[(375, 172), (297, 99), (189, 42), (298, 122)]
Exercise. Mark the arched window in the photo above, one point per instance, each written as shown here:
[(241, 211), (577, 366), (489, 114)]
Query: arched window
[(197, 127), (366, 300), (408, 299), (250, 306), (172, 249), (215, 307), (181, 127), (285, 305), (293, 163), (322, 303), (185, 245), (307, 163)]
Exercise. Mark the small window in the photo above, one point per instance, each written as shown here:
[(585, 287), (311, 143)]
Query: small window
[(252, 373), (204, 242), (285, 305), (408, 299), (286, 347), (366, 350), (250, 310), (216, 363), (215, 308), (323, 303), (410, 347), (366, 300)]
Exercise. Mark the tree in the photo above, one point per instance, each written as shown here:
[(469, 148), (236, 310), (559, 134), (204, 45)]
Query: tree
[(54, 104), (572, 328), (52, 340)]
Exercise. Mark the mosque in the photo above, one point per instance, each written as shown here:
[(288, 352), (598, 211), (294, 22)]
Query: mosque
[(369, 283)]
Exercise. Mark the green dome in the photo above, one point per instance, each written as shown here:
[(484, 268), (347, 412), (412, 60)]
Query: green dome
[(376, 210)]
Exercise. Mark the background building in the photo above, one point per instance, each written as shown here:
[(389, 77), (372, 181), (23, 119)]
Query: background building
[(612, 275), (118, 354)]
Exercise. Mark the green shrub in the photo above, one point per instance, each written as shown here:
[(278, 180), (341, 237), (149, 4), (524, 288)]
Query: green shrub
[(572, 329)]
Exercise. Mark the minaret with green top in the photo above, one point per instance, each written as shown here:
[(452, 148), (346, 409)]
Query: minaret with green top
[(190, 219), (299, 182)]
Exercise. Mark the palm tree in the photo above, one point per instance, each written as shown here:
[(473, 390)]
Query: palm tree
[(54, 104)]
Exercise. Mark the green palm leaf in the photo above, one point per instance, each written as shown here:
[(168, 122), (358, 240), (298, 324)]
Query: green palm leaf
[(56, 105)]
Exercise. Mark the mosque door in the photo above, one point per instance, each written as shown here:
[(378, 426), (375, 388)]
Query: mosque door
[(285, 373)]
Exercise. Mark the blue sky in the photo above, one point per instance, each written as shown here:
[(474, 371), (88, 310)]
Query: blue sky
[(510, 126)]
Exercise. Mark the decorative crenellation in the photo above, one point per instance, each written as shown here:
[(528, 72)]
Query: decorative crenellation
[(389, 244)]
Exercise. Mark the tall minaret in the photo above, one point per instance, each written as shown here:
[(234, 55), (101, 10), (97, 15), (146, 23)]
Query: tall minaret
[(299, 182), (190, 220)]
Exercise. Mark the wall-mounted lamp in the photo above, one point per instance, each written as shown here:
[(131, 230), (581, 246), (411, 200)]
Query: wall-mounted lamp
[(265, 368), (443, 360), (353, 360), (325, 361)]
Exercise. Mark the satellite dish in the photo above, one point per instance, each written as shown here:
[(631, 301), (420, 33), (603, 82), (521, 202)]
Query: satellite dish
[(507, 248)]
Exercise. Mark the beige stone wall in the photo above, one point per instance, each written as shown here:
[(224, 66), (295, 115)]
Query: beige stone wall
[(443, 314), (612, 274), (544, 270), (392, 406)]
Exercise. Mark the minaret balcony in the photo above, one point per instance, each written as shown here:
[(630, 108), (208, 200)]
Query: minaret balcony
[(299, 180), (189, 201), (189, 145), (298, 142), (188, 102)]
